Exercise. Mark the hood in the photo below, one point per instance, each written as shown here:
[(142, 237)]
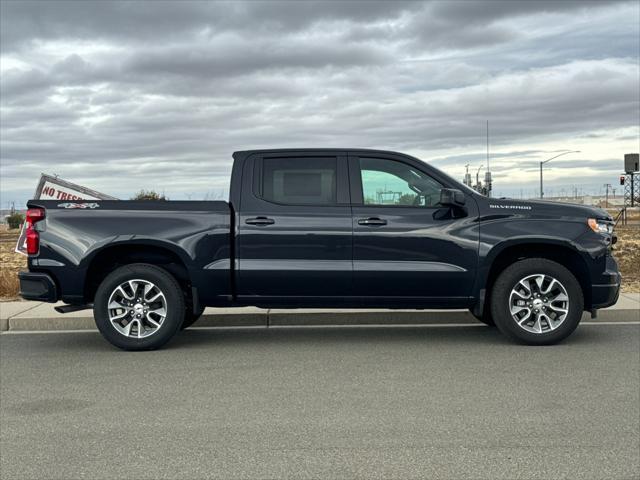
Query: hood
[(544, 207)]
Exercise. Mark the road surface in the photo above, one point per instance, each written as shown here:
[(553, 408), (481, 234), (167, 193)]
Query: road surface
[(366, 402)]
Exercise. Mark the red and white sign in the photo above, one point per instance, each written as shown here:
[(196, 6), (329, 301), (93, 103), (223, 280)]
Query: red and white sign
[(54, 191), (54, 188)]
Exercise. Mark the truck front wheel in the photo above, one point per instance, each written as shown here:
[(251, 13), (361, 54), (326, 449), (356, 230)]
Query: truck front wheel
[(139, 307), (537, 301)]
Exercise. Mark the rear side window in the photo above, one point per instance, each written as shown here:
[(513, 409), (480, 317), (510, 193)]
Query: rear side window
[(300, 181)]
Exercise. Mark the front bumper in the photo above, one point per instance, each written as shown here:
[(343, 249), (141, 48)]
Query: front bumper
[(605, 293), (37, 286)]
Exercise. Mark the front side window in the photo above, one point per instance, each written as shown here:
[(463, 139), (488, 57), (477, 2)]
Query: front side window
[(299, 181), (387, 182)]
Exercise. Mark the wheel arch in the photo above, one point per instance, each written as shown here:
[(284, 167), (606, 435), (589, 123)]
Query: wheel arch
[(107, 259), (560, 252)]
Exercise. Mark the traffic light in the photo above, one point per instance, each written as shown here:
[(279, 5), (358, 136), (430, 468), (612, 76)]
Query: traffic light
[(622, 177)]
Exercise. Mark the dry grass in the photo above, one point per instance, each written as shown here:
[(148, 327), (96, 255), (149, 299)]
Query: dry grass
[(10, 264), (9, 285), (633, 214), (627, 253)]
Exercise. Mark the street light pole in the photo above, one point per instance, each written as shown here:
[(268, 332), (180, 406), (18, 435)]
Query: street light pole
[(548, 160)]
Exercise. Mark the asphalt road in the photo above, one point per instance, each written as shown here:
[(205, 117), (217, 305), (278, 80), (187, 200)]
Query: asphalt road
[(434, 402)]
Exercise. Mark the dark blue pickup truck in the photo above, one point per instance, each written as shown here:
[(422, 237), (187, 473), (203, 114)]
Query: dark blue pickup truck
[(323, 228)]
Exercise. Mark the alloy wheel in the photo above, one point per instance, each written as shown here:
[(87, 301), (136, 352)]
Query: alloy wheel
[(137, 308), (539, 303)]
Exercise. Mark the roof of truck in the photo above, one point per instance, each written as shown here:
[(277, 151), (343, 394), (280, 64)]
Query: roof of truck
[(305, 149)]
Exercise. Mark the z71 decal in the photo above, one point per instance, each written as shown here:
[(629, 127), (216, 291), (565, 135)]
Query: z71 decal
[(78, 205)]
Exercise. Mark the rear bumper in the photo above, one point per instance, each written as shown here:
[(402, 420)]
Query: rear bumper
[(605, 293), (37, 286)]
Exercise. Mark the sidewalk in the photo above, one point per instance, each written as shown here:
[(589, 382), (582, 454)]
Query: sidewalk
[(34, 316)]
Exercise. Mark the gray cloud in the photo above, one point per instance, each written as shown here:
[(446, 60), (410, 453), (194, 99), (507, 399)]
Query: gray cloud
[(28, 20), (122, 95), (492, 10)]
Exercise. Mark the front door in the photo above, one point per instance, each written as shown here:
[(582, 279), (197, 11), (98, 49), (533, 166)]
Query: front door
[(295, 228), (407, 247)]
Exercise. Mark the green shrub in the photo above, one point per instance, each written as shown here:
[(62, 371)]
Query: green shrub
[(15, 220), (149, 195)]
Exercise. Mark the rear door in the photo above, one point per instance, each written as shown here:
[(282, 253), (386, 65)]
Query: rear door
[(295, 227), (407, 247)]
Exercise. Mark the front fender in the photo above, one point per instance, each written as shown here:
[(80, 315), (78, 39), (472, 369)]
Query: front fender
[(499, 235), (492, 252)]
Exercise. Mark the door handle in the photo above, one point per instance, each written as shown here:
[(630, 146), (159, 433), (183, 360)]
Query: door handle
[(260, 221), (372, 222)]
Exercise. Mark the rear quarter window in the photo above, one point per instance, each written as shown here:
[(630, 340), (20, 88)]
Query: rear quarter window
[(299, 181)]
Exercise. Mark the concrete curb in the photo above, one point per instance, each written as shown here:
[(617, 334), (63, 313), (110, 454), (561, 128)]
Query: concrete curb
[(33, 316)]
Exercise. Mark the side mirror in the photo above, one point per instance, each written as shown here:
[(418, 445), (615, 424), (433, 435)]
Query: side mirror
[(451, 197)]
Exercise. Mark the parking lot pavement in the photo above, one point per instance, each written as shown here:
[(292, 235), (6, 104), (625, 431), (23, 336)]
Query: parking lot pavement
[(431, 402)]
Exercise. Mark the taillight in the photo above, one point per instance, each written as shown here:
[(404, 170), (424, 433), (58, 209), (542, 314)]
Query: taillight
[(34, 215)]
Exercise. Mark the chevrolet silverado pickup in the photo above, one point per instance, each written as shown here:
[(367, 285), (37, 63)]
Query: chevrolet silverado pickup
[(323, 228)]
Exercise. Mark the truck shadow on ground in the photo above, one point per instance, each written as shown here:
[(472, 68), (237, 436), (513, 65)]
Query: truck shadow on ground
[(357, 336), (472, 334)]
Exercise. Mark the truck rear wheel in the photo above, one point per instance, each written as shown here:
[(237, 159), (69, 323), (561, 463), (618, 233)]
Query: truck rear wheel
[(537, 301), (139, 307)]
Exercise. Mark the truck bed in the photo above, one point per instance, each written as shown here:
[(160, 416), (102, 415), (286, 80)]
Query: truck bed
[(75, 235)]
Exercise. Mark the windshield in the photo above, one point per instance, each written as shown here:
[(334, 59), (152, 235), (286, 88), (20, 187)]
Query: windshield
[(456, 183)]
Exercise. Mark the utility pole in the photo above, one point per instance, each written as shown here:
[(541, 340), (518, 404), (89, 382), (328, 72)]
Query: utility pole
[(548, 160), (606, 195)]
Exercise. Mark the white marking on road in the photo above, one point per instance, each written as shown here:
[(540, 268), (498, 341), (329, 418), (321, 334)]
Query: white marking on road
[(385, 325), (633, 322), (25, 332)]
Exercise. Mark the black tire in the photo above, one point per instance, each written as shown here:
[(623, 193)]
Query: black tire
[(175, 306), (190, 317), (507, 280), (484, 318)]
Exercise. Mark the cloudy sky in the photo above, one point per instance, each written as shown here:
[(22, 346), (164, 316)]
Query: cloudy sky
[(125, 95)]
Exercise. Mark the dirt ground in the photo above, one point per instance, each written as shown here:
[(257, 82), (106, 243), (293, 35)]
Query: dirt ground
[(626, 251), (10, 263)]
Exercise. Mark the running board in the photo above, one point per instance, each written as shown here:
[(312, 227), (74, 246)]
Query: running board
[(72, 308)]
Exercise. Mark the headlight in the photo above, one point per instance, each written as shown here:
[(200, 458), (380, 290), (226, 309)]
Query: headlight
[(600, 226)]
